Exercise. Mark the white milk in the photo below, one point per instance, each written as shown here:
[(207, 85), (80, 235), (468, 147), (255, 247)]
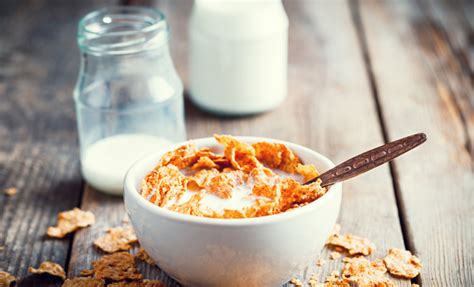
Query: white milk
[(238, 55), (105, 162)]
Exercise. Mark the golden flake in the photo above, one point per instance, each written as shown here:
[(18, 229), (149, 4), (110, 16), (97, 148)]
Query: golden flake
[(116, 267), (49, 268), (84, 282), (353, 244), (70, 221), (11, 191), (6, 279), (402, 263), (361, 271), (116, 239), (144, 256)]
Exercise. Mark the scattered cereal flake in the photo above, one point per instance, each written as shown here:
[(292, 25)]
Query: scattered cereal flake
[(402, 263), (335, 283), (361, 271), (11, 191), (144, 283), (87, 273), (49, 268), (116, 239), (297, 282), (84, 282), (320, 262), (6, 279), (144, 256), (334, 276), (313, 280), (69, 221), (415, 285), (334, 255), (353, 244), (116, 267)]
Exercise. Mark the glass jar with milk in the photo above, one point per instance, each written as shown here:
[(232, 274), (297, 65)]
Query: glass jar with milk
[(238, 55), (129, 98)]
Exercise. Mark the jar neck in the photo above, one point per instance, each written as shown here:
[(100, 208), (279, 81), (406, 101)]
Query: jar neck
[(123, 31)]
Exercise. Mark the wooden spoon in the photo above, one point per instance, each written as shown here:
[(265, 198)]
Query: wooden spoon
[(369, 160)]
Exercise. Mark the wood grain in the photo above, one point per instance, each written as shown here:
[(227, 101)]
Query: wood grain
[(38, 149), (435, 184)]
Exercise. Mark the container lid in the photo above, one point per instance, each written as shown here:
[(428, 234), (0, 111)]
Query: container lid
[(238, 20)]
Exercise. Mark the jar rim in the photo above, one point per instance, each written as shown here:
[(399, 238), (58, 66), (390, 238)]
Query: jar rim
[(122, 30)]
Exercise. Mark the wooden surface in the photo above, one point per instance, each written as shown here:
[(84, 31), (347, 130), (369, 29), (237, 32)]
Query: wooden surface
[(360, 73)]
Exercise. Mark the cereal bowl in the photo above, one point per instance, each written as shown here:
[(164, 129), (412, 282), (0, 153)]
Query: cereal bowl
[(260, 251)]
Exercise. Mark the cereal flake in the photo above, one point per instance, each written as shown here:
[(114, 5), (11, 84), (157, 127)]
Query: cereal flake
[(144, 256), (116, 267), (334, 255), (361, 271), (353, 244), (11, 191), (6, 279), (144, 283), (116, 239), (320, 262), (402, 263), (49, 267), (296, 282), (70, 221), (84, 282)]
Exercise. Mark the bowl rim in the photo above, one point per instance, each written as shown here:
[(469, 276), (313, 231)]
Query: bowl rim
[(132, 193)]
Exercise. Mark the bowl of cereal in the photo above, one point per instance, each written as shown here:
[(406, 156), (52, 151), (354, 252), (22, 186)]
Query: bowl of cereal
[(231, 211)]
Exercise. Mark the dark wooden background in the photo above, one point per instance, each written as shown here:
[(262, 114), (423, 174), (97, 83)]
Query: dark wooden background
[(360, 73)]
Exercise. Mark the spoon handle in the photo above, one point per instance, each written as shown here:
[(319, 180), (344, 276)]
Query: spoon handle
[(369, 160)]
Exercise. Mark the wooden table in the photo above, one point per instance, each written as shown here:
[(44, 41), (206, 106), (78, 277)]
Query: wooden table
[(360, 74)]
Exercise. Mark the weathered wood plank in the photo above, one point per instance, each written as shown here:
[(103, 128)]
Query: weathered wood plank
[(38, 150), (327, 82), (424, 86)]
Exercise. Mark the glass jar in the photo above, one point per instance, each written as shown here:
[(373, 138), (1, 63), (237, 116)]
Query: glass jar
[(128, 97)]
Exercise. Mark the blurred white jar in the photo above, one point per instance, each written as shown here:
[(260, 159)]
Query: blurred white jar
[(238, 55)]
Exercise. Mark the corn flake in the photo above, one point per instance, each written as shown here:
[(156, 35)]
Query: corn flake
[(84, 282), (334, 255), (335, 276), (296, 282), (49, 267), (70, 221), (6, 279), (116, 267), (144, 283), (402, 263), (320, 262), (144, 256), (361, 271), (313, 280), (11, 191), (116, 239), (353, 244)]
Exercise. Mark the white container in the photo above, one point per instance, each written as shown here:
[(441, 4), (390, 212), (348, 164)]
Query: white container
[(262, 251), (238, 55)]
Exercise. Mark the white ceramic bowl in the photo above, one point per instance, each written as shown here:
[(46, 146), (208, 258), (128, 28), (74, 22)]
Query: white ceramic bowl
[(263, 251)]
